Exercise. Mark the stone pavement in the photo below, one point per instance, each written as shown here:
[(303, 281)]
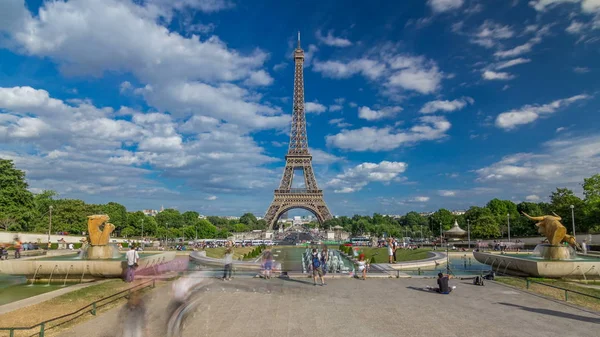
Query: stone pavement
[(350, 307)]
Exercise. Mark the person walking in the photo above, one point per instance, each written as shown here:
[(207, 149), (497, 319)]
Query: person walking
[(362, 266), (390, 251), (267, 263), (316, 266), (324, 258), (133, 317), (394, 247), (228, 264), (132, 262), (18, 247)]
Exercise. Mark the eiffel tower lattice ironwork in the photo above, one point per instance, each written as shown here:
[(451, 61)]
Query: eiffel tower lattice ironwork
[(310, 197)]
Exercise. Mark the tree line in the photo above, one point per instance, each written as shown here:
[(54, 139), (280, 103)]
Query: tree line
[(24, 211), (490, 221)]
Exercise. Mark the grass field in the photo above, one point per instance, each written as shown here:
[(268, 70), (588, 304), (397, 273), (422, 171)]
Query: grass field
[(62, 305), (219, 253), (402, 255), (584, 301)]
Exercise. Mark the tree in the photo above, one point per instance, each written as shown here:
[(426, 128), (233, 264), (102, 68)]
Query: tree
[(561, 201), (206, 230), (170, 218), (248, 219), (217, 221), (591, 189), (239, 228), (485, 227), (190, 218), (117, 214), (17, 202), (442, 216), (128, 231)]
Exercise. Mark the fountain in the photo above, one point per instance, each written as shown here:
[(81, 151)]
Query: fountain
[(555, 259), (97, 258)]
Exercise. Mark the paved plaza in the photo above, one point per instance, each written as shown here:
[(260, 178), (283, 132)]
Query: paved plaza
[(348, 307)]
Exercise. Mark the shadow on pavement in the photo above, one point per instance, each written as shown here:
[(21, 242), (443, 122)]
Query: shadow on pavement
[(554, 313), (421, 289), (288, 279)]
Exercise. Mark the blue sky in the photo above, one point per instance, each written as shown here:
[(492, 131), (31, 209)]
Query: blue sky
[(411, 105)]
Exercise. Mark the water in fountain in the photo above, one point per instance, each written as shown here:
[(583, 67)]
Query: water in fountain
[(113, 253), (550, 252)]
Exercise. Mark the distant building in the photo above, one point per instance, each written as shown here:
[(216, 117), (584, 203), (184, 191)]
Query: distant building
[(200, 216), (150, 212), (459, 212), (231, 217), (426, 213)]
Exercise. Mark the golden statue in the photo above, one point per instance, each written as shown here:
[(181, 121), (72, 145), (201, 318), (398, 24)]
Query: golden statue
[(99, 237), (550, 227)]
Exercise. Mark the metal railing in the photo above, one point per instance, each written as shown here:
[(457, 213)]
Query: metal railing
[(91, 308), (561, 288)]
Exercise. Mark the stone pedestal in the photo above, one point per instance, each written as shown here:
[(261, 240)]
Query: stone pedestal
[(555, 252), (100, 252)]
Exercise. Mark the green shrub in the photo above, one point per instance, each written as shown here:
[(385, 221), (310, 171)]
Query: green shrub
[(372, 259)]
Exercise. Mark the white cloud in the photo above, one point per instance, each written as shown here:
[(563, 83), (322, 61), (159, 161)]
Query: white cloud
[(447, 193), (331, 40), (208, 6), (314, 107), (339, 122), (354, 179), (280, 66), (561, 162), (492, 75), (419, 199), (532, 197), (211, 198), (511, 63), (489, 34), (529, 113), (587, 6), (371, 115), (575, 27), (384, 64), (581, 70), (335, 107), (560, 129), (259, 78), (447, 106), (322, 157), (387, 138), (439, 6)]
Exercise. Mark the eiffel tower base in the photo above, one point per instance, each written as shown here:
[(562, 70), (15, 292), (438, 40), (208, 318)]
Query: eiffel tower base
[(285, 201)]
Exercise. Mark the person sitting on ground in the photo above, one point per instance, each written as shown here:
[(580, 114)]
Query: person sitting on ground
[(443, 287)]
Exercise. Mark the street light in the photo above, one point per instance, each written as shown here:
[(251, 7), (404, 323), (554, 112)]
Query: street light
[(50, 227), (573, 218), (469, 232), (508, 220)]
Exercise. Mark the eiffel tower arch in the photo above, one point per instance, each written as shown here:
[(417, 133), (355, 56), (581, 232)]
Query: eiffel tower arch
[(298, 158)]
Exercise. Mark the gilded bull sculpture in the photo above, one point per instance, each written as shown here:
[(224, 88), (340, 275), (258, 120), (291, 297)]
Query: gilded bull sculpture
[(550, 227)]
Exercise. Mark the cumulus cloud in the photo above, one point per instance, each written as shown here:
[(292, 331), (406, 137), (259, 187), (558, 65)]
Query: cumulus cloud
[(561, 162), (395, 71), (314, 107), (419, 199), (355, 178), (446, 106), (211, 198), (388, 138), (489, 34), (440, 6), (371, 115), (331, 40), (447, 193), (492, 76), (581, 70), (323, 157), (339, 122), (532, 197), (529, 113)]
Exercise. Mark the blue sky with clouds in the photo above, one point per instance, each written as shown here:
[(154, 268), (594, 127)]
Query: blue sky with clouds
[(411, 105)]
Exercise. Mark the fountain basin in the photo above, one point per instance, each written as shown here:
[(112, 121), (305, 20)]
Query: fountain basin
[(62, 266), (528, 265)]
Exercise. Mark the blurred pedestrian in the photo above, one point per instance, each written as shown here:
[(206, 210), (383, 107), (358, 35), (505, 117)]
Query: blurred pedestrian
[(132, 262), (267, 263), (362, 266), (133, 317), (316, 266), (228, 264), (324, 258)]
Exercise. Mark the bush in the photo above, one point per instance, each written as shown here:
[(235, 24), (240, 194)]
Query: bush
[(372, 259)]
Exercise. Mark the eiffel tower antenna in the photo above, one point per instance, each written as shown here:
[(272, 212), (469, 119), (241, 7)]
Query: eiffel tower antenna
[(310, 197)]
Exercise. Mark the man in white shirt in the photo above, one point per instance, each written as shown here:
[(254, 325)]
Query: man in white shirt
[(132, 259)]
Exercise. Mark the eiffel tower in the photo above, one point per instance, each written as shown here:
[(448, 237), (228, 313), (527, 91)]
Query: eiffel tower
[(298, 158)]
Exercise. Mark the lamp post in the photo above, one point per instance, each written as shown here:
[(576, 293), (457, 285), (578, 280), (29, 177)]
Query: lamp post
[(469, 232), (508, 221), (573, 218), (50, 227)]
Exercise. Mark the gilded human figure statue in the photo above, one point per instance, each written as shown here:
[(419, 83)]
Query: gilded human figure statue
[(550, 227), (99, 237)]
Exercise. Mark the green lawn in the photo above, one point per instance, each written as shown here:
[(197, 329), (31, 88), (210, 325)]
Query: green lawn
[(219, 252), (402, 255), (585, 301)]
